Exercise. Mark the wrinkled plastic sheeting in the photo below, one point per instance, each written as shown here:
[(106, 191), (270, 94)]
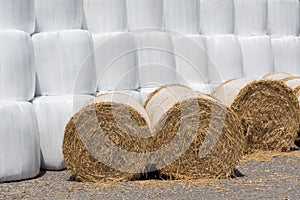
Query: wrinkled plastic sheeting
[(257, 56), (251, 17), (133, 94), (224, 58), (182, 16), (65, 63), (19, 141), (286, 51), (53, 113), (145, 93), (216, 17), (16, 14), (191, 60), (103, 16), (283, 17), (156, 59), (54, 15), (145, 14), (116, 61), (17, 70)]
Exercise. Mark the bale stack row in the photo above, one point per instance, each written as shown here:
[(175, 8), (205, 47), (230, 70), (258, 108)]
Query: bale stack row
[(19, 141), (178, 132)]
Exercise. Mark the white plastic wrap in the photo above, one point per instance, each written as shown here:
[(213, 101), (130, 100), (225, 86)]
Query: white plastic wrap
[(145, 92), (286, 53), (191, 60), (145, 14), (156, 59), (17, 70), (53, 113), (251, 17), (116, 61), (19, 141), (182, 16), (16, 14), (104, 16), (283, 17), (133, 94), (257, 56), (54, 15), (65, 62), (224, 58), (216, 17)]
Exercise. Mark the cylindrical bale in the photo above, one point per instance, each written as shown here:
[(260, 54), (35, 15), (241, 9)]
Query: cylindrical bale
[(53, 113), (19, 141), (294, 83), (250, 17), (182, 16), (65, 63), (55, 15), (257, 56), (104, 16), (199, 137), (269, 111), (19, 15), (107, 139)]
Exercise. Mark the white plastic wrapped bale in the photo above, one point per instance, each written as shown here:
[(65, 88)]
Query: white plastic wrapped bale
[(65, 63), (191, 60), (104, 16), (54, 15), (17, 70), (116, 61), (182, 16), (16, 14), (19, 141), (216, 17), (283, 17), (286, 51), (53, 113), (251, 17), (145, 93), (156, 59), (133, 94), (145, 14), (257, 56), (224, 58)]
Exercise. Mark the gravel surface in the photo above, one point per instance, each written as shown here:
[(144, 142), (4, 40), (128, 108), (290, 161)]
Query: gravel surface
[(267, 176)]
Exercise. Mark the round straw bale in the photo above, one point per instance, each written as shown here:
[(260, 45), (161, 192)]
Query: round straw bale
[(294, 83), (102, 141), (269, 111), (204, 138)]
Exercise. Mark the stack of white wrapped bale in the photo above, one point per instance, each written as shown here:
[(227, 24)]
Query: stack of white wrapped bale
[(19, 142), (224, 59), (156, 60), (65, 71)]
